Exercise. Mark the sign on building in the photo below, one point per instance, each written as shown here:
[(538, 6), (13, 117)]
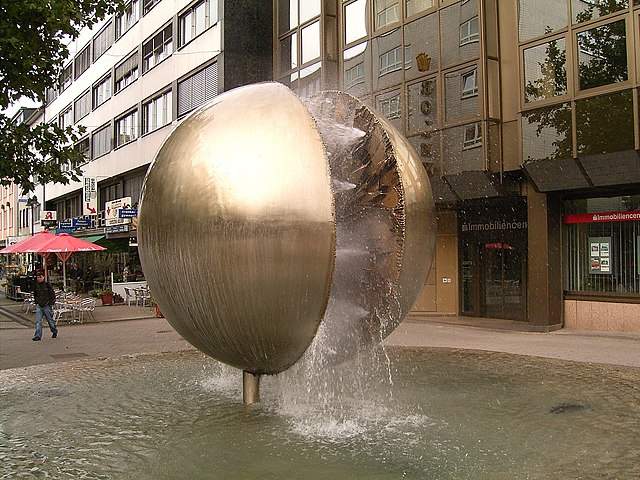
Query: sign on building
[(90, 196), (49, 218), (112, 211)]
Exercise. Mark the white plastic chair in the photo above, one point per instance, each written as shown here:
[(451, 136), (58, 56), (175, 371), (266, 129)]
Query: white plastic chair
[(130, 296)]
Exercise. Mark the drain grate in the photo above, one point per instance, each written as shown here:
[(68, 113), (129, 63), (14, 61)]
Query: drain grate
[(68, 356)]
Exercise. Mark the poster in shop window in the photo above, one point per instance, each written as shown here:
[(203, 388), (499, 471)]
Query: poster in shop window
[(600, 255)]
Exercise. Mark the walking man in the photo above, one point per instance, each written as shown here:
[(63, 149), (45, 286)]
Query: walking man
[(45, 299)]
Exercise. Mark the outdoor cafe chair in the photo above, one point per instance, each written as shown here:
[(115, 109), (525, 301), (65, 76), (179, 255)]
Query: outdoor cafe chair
[(60, 309), (143, 296), (29, 301), (86, 305), (130, 296)]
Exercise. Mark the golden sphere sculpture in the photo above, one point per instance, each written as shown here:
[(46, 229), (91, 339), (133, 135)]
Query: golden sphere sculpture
[(244, 221)]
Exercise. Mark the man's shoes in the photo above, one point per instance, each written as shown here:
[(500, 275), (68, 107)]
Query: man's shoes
[(36, 339), (55, 334)]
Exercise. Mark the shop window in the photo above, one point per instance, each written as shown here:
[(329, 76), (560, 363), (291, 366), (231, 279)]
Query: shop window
[(604, 124), (546, 133), (414, 7), (310, 42), (355, 21), (602, 246), (386, 12), (602, 55), (541, 17), (472, 136), (583, 11), (127, 128), (545, 71)]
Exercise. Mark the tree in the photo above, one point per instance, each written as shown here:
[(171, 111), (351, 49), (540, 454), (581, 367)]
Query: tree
[(33, 34)]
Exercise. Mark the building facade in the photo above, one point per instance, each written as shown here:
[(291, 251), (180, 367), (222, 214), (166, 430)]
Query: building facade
[(132, 76), (525, 115)]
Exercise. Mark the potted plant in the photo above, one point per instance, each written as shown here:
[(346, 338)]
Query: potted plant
[(106, 296)]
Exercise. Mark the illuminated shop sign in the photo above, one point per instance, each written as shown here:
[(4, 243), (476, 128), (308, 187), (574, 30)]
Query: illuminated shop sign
[(602, 217)]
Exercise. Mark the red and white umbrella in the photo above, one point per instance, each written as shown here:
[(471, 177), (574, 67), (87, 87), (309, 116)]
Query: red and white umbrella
[(32, 244), (65, 245)]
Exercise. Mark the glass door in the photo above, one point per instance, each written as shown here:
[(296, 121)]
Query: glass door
[(502, 280)]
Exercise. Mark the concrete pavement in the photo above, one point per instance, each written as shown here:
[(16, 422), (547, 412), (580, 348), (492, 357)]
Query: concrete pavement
[(155, 335)]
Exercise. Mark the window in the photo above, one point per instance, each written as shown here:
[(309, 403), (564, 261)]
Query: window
[(66, 78), (469, 32), (197, 19), (102, 41), (101, 142), (157, 48), (472, 136), (102, 91), (65, 119), (470, 84), (84, 147), (545, 71), (602, 55), (52, 94), (197, 89), (82, 61), (540, 17), (417, 6), (126, 72), (354, 75), (390, 107), (310, 42), (391, 61), (386, 12), (82, 106), (355, 21), (127, 128), (127, 18), (148, 5), (157, 112), (585, 10)]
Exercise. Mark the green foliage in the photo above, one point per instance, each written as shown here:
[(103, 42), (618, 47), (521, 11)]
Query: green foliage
[(33, 34)]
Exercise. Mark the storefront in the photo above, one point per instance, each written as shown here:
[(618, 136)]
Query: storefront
[(601, 241), (493, 259)]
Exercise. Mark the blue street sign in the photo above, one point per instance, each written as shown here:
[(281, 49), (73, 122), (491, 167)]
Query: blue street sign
[(81, 222), (66, 224), (127, 212)]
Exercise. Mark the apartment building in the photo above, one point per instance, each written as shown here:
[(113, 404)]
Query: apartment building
[(132, 76), (525, 115)]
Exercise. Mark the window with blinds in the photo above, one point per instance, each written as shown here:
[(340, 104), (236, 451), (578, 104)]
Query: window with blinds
[(126, 72), (157, 113), (102, 41), (197, 89), (65, 119), (148, 5), (84, 148), (127, 18), (82, 106), (158, 48), (66, 78), (82, 61), (101, 142)]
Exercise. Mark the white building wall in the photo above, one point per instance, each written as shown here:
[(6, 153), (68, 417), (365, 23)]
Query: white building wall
[(140, 152)]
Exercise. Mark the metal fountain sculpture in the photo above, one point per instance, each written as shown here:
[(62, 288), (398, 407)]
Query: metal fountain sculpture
[(265, 215)]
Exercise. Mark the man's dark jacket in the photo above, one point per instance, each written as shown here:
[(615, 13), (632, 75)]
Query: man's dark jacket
[(43, 294)]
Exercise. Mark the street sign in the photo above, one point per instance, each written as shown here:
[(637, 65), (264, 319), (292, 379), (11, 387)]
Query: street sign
[(81, 222), (127, 212), (49, 218), (90, 196), (66, 224)]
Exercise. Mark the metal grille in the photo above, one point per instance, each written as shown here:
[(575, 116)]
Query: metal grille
[(624, 277)]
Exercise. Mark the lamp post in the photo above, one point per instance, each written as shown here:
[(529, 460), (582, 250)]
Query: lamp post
[(33, 203)]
